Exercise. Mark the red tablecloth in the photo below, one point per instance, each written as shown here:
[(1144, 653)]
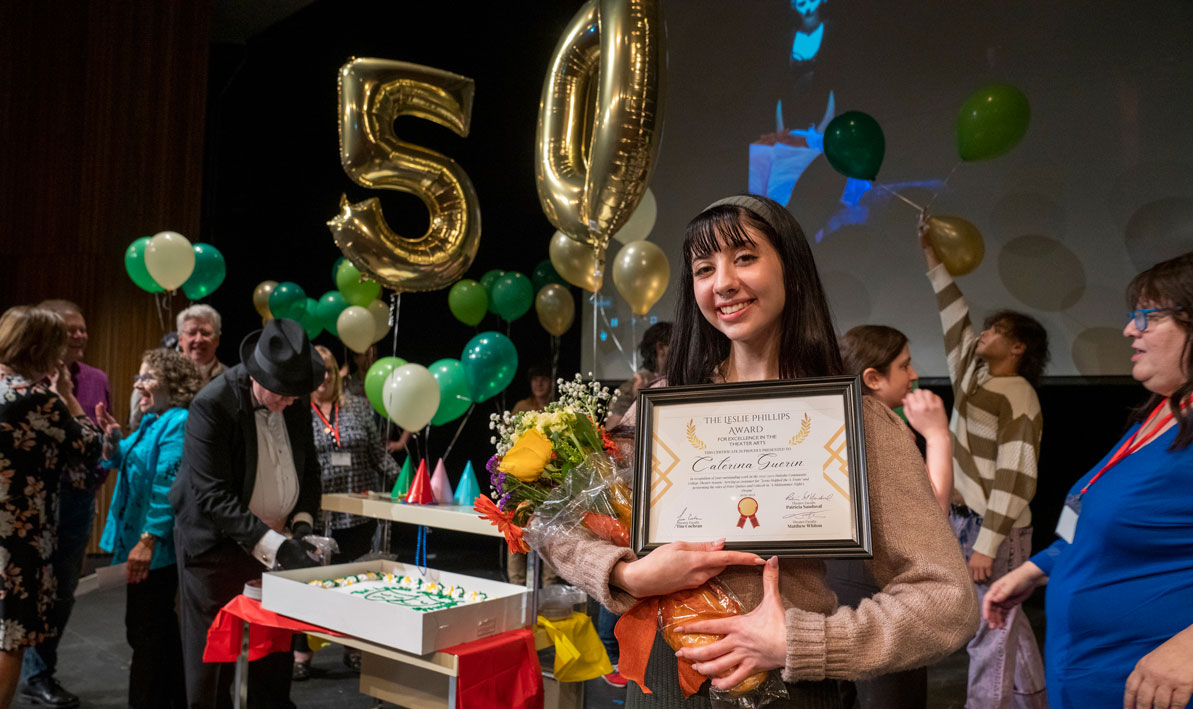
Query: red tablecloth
[(495, 672)]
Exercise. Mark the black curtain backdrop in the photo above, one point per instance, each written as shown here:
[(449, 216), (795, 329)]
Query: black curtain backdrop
[(273, 176)]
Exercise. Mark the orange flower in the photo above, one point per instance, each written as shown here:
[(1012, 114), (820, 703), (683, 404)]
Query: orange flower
[(504, 523)]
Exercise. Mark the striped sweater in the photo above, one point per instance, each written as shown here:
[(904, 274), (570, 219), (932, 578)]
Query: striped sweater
[(996, 427)]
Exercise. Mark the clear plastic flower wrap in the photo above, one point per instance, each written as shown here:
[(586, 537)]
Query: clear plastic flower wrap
[(596, 496)]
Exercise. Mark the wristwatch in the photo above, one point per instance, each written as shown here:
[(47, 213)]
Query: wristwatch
[(148, 539)]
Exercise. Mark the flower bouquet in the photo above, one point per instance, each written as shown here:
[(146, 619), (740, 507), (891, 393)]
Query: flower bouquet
[(558, 469)]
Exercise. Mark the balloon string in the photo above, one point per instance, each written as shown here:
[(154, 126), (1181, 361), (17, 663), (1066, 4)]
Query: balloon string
[(157, 301), (616, 342), (634, 341), (915, 206), (458, 430), (943, 185), (420, 552), (395, 305), (596, 300), (427, 438)]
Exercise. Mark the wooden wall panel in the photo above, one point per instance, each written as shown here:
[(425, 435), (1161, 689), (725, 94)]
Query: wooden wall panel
[(103, 116)]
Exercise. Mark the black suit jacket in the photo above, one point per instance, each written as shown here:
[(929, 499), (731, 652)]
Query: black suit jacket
[(215, 482)]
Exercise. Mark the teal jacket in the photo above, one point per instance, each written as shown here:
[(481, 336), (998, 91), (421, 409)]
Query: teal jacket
[(148, 463)]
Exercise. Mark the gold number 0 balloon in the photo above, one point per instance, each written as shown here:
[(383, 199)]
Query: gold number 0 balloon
[(593, 163), (373, 92)]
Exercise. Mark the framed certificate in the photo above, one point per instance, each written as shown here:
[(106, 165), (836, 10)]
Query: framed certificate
[(776, 468)]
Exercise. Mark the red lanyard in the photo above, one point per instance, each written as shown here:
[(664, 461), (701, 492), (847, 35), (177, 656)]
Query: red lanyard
[(1132, 445), (333, 429)]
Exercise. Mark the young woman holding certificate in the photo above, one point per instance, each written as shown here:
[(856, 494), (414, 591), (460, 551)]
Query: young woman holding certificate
[(1120, 625), (751, 308)]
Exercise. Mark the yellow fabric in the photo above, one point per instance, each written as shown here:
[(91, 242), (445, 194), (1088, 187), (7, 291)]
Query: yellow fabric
[(579, 653), (317, 644)]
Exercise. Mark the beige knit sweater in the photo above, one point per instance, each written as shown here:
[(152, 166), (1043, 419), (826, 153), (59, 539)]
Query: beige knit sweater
[(927, 607)]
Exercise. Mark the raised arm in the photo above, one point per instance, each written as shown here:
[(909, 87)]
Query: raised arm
[(925, 412)]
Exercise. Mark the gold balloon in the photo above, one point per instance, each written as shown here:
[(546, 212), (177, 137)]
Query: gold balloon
[(576, 262), (957, 243), (379, 309), (593, 162), (641, 274), (374, 92), (261, 299), (555, 307)]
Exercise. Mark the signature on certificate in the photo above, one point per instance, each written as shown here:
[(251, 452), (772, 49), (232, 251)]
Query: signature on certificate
[(810, 496), (805, 514), (687, 519)]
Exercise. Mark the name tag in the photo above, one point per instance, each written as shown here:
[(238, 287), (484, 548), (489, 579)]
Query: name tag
[(1066, 527), (341, 459)]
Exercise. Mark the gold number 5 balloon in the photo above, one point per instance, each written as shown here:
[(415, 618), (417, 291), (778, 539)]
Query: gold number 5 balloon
[(374, 92), (593, 162)]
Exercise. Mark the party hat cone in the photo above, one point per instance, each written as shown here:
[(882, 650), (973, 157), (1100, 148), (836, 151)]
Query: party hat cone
[(467, 490), (420, 489), (402, 484), (441, 487)]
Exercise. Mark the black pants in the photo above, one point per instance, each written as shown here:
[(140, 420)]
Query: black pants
[(354, 542), (151, 628), (206, 583), (852, 583)]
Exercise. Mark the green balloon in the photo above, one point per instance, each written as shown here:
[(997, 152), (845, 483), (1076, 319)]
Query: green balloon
[(991, 122), (468, 301), (331, 304), (545, 273), (287, 300), (356, 291), (375, 381), (453, 391), (209, 272), (854, 145), (512, 295), (134, 263), (487, 281), (490, 361), (308, 317)]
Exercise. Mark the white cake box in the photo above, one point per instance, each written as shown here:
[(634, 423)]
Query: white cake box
[(420, 632)]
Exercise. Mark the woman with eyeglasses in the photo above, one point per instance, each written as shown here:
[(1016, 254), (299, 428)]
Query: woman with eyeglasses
[(140, 528), (1120, 575)]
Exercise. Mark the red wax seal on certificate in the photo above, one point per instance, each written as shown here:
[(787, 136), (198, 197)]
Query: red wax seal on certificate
[(747, 507)]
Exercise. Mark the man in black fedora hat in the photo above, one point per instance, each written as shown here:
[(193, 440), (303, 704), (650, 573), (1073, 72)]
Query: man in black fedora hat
[(245, 497)]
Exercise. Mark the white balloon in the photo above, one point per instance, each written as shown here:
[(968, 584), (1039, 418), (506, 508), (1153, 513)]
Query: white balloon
[(380, 313), (641, 221), (411, 396), (355, 327), (170, 259)]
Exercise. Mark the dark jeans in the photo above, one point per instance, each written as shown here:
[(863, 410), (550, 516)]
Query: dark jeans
[(606, 622), (151, 628), (76, 509)]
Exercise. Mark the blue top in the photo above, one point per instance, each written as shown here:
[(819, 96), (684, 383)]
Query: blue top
[(148, 462), (1125, 584)]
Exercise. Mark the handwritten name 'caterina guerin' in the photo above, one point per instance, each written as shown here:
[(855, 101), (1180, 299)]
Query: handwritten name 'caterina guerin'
[(765, 461)]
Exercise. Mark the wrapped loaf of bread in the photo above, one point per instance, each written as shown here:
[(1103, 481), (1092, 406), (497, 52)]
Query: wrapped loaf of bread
[(706, 602)]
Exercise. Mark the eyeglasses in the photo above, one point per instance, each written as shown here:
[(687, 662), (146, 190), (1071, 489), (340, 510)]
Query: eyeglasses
[(143, 378), (1145, 316)]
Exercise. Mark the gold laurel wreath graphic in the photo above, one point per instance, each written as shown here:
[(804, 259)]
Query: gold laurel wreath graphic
[(804, 430), (692, 438)]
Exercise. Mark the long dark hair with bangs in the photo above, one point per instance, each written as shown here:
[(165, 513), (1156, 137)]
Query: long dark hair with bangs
[(807, 342), (1169, 284)]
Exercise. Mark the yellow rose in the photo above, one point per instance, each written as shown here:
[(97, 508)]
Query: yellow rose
[(526, 460)]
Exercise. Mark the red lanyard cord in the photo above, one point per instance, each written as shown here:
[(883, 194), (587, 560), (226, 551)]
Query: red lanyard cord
[(329, 427), (1134, 443)]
